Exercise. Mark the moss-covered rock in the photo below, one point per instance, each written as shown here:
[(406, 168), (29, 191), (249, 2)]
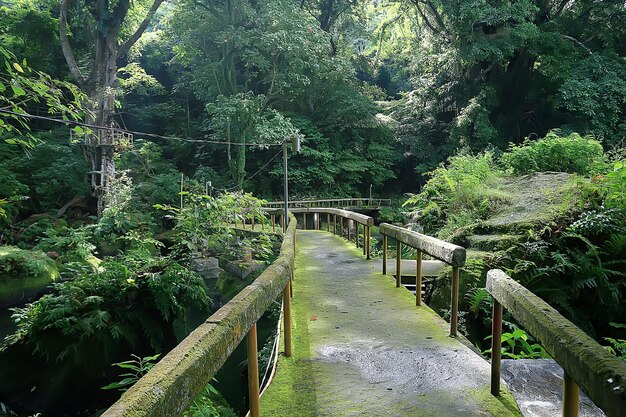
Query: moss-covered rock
[(24, 274)]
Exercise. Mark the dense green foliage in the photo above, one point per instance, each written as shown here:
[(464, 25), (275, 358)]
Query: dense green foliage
[(573, 256), (572, 153), (443, 100)]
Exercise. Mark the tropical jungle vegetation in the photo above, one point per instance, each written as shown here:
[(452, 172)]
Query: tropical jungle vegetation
[(457, 111)]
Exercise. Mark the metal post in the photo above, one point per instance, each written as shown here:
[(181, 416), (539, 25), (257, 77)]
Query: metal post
[(328, 222), (384, 254), (334, 224), (182, 186), (304, 220), (341, 226), (496, 343), (369, 242), (273, 217), (454, 311), (287, 317), (286, 186), (570, 396), (253, 373), (349, 229), (253, 222), (398, 263), (418, 278), (356, 235)]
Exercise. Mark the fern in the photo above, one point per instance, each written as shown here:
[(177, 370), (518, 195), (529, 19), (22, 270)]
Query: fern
[(478, 299)]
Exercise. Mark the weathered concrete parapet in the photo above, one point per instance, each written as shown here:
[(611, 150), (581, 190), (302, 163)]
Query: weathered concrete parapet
[(170, 387), (600, 374), (357, 217), (444, 251)]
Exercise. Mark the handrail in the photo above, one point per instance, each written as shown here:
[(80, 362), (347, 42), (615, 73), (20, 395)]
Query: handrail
[(358, 202), (600, 374), (171, 386), (350, 216), (449, 253)]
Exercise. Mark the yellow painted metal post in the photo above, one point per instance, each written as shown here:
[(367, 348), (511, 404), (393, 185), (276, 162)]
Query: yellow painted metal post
[(287, 317), (398, 263), (418, 278), (496, 343), (384, 254), (454, 310), (570, 396), (364, 239), (369, 242), (328, 222), (253, 373), (349, 230)]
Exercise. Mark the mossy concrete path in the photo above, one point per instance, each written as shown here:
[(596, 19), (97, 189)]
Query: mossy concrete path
[(362, 348)]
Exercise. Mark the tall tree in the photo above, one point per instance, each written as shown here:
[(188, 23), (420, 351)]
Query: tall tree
[(99, 79)]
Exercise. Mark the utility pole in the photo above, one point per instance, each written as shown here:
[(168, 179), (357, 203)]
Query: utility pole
[(286, 187), (295, 146)]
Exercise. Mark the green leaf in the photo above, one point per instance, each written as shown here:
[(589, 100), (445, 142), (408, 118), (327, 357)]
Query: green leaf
[(18, 68), (18, 91), (2, 88)]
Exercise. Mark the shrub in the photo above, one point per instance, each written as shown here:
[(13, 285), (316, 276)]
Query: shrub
[(133, 302), (573, 154), (467, 184), (20, 263)]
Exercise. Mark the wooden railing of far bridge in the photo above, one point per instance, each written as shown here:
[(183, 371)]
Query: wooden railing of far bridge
[(333, 203)]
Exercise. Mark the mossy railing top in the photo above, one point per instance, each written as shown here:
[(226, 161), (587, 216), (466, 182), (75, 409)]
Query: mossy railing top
[(169, 388), (599, 373), (444, 251)]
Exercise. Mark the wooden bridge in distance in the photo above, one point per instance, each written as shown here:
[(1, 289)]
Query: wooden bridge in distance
[(356, 343)]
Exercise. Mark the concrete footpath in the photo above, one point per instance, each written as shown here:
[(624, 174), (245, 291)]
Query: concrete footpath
[(362, 348)]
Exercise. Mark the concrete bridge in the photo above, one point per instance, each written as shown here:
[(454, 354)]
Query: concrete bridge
[(353, 343)]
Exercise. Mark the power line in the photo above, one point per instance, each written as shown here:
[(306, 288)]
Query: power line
[(257, 172), (152, 135)]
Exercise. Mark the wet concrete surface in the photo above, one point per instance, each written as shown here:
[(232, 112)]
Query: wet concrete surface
[(362, 348), (537, 385)]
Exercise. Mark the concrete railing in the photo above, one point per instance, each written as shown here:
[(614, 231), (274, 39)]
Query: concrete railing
[(345, 219), (333, 202), (451, 254), (585, 363), (171, 386)]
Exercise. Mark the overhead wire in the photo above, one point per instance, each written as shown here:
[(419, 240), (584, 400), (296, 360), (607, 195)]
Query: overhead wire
[(136, 133), (258, 171)]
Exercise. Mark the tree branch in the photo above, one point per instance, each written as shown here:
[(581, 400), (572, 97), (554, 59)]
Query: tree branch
[(123, 50), (65, 46)]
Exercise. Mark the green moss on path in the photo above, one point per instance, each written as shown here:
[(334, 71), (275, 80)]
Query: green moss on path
[(361, 347)]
